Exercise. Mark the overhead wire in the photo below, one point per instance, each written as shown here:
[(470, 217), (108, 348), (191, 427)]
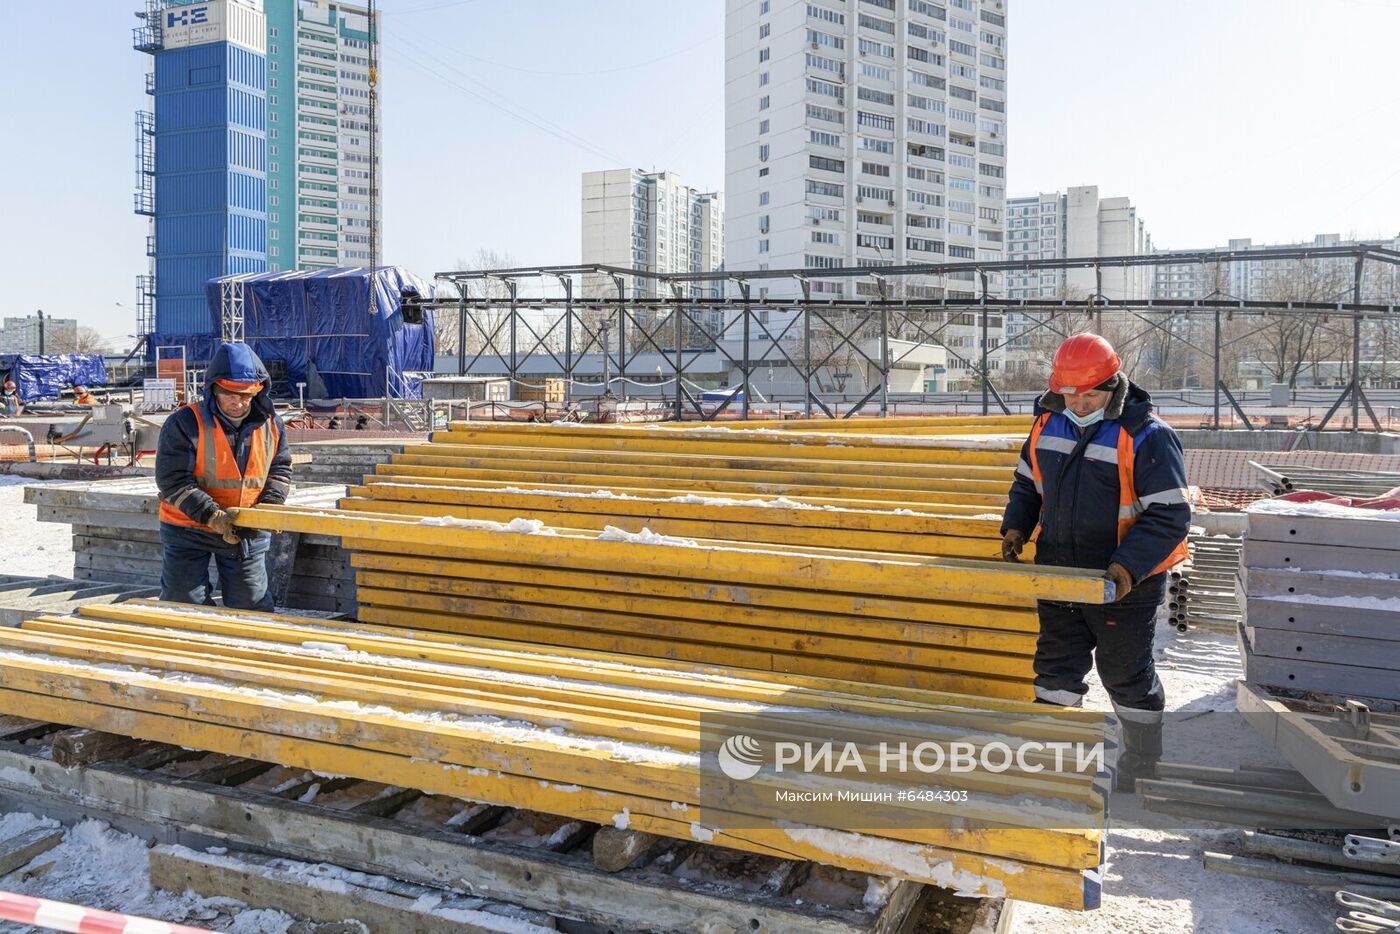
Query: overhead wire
[(408, 48)]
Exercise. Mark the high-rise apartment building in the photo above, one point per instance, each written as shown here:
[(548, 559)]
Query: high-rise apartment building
[(869, 133), (318, 134), (1325, 280), (201, 155), (1073, 224), (22, 335), (651, 221)]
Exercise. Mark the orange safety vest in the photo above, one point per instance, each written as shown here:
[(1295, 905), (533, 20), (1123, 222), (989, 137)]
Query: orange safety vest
[(1129, 507), (86, 398), (216, 469)]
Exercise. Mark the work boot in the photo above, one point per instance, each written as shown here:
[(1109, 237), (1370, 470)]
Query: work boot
[(1142, 748)]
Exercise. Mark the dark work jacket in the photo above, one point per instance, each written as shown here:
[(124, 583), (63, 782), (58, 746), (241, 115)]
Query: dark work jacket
[(179, 437), (1077, 510)]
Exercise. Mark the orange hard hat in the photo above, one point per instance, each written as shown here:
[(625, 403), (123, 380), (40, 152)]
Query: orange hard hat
[(1083, 362), (239, 387)]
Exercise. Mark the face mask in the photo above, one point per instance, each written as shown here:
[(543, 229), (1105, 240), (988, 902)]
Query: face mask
[(1084, 421)]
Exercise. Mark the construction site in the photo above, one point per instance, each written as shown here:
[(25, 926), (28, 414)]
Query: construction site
[(533, 656), (853, 597)]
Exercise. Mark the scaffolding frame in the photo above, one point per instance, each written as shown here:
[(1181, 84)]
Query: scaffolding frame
[(516, 329)]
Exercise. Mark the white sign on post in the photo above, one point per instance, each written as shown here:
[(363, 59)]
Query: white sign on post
[(158, 394)]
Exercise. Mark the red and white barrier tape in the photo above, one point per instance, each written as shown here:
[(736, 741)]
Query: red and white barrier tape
[(60, 916)]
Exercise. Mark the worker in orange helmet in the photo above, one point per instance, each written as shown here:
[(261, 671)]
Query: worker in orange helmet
[(10, 402), (1101, 484), (82, 397)]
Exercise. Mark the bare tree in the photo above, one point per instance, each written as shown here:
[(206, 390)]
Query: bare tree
[(82, 340), (483, 321), (1287, 344)]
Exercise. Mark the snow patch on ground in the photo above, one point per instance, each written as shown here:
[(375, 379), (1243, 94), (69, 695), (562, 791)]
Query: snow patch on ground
[(32, 548), (98, 867)]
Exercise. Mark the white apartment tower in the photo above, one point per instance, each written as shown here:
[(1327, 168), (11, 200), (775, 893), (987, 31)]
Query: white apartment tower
[(651, 221), (318, 134), (1073, 224), (866, 133)]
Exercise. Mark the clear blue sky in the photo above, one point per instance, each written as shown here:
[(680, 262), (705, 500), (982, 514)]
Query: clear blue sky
[(1270, 119)]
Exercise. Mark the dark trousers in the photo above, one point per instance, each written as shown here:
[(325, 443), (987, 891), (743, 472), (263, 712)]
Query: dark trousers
[(1116, 638), (184, 572)]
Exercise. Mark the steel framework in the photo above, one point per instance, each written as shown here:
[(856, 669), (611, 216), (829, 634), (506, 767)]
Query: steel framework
[(513, 331)]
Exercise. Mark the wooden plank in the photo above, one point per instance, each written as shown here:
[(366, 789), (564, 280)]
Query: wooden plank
[(448, 564), (83, 747), (866, 627), (19, 850), (300, 892), (858, 572), (985, 502)]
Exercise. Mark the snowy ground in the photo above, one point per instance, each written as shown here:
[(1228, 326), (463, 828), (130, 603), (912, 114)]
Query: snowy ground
[(1154, 881), (31, 548), (97, 867)]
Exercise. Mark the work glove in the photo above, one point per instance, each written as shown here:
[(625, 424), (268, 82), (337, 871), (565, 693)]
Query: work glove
[(1122, 580), (1011, 544), (222, 524)]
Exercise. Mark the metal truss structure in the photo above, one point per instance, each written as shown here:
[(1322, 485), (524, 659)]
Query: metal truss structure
[(522, 332)]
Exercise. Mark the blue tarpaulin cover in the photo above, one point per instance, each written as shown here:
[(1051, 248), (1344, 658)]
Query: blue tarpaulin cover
[(318, 323), (44, 376)]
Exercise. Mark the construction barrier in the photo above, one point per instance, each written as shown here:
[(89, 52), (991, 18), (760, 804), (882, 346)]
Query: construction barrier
[(61, 916)]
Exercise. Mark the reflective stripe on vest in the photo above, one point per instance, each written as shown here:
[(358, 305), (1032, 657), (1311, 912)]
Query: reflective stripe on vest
[(216, 469), (1130, 506)]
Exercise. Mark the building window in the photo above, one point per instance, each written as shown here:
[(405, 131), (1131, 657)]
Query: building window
[(764, 30), (763, 7), (763, 126), (763, 54), (763, 79), (762, 198), (763, 172), (763, 246)]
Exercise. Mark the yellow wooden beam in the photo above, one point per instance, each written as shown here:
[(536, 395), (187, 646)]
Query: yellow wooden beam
[(888, 425), (863, 572), (605, 464), (382, 668), (872, 466), (406, 560), (717, 615), (476, 744), (605, 668), (466, 479), (965, 869), (901, 497), (885, 521), (976, 451), (395, 499), (677, 725), (625, 616)]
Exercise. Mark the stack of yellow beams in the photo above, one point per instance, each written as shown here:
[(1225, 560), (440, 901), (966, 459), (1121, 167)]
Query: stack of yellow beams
[(911, 620), (959, 469), (587, 735)]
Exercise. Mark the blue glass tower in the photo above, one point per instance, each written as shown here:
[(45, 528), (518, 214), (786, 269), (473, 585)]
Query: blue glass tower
[(210, 152)]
